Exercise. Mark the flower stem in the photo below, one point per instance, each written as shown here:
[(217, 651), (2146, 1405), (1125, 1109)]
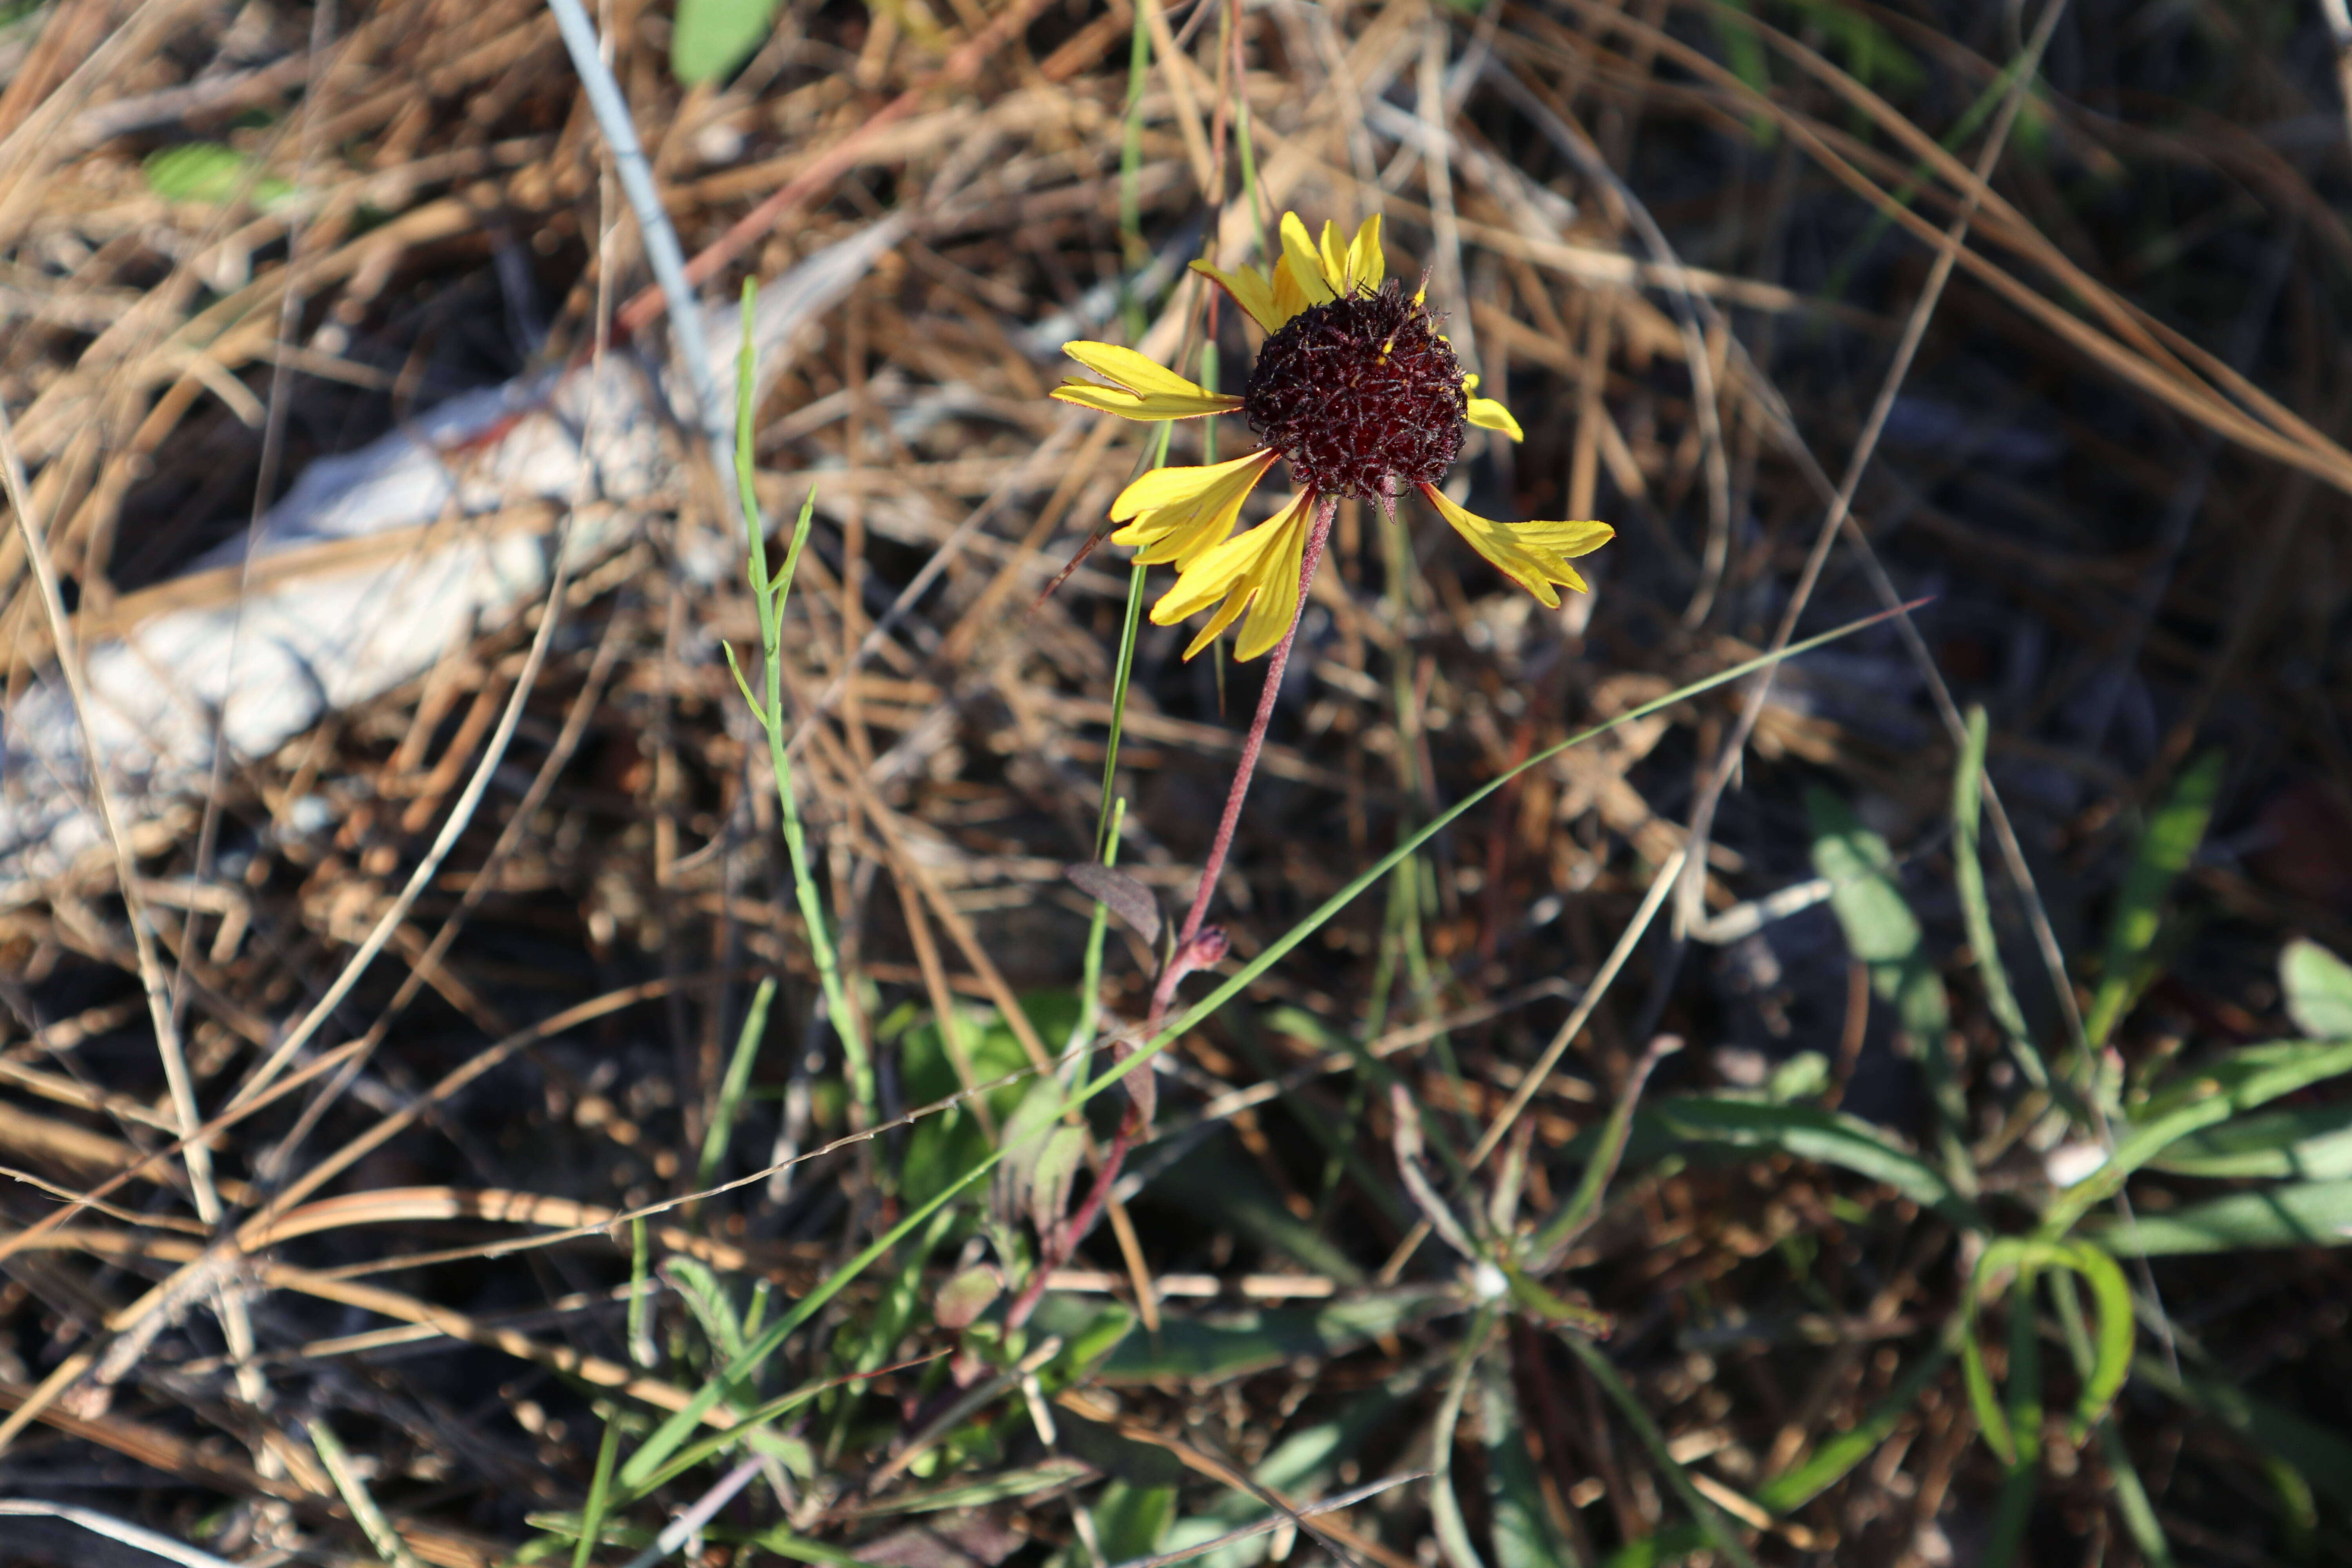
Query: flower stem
[(1189, 951), (1326, 508)]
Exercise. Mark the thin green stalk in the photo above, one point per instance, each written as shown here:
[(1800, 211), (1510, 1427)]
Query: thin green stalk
[(770, 597), (1114, 809), (1090, 980), (1709, 1518), (1131, 172), (738, 1080), (1976, 909), (600, 1492), (387, 1542), (640, 1337), (1242, 139), (2130, 1492), (681, 1424)]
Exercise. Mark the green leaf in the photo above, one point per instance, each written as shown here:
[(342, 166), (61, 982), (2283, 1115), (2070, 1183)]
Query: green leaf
[(1131, 1520), (1217, 1346), (974, 1493), (2309, 1142), (1976, 907), (1709, 1518), (738, 1079), (2294, 1214), (1520, 1522), (2324, 1458), (212, 172), (1882, 932), (714, 37), (1835, 1458), (2318, 986), (1879, 927), (2205, 1097), (706, 1297), (1809, 1133), (2174, 832)]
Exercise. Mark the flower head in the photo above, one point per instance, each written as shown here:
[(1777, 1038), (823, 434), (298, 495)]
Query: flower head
[(1356, 389)]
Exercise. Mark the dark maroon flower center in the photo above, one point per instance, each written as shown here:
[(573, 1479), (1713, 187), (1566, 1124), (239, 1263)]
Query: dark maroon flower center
[(1361, 395)]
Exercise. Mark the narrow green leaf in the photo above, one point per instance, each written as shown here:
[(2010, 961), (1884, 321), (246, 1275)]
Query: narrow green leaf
[(2116, 1335), (1834, 1460), (738, 1079), (1131, 1520), (714, 37), (1809, 1133), (1879, 926), (1709, 1518), (1976, 906), (2174, 831), (1445, 1519), (2308, 1142), (2318, 988), (600, 1490), (212, 172), (2203, 1096), (1882, 932), (2292, 1213), (1520, 1522), (1211, 1347)]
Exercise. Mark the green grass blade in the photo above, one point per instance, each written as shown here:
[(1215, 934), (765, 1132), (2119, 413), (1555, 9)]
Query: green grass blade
[(738, 1080), (1882, 932), (2204, 1096), (2174, 832), (387, 1542), (1976, 907), (1518, 1522), (1835, 1459), (1444, 1510), (769, 597), (2291, 1213), (600, 1492), (1585, 1202), (1719, 1532), (2303, 1142), (1811, 1132)]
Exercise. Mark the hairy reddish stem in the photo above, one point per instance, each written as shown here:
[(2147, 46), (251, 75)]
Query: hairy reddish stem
[(1317, 536), (1190, 953)]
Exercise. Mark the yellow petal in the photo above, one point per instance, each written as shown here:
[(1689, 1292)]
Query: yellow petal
[(1306, 264), (1131, 370), (1249, 566), (1532, 554), (1487, 414), (1227, 614), (1143, 406), (1180, 512), (1251, 290), (1275, 582), (1365, 264), (1334, 257), (1268, 589), (1290, 296)]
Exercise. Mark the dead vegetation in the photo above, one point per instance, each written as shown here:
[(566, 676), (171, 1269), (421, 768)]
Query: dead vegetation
[(442, 1236)]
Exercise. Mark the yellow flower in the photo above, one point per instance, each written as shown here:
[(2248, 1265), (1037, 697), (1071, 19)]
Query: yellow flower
[(1358, 391)]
